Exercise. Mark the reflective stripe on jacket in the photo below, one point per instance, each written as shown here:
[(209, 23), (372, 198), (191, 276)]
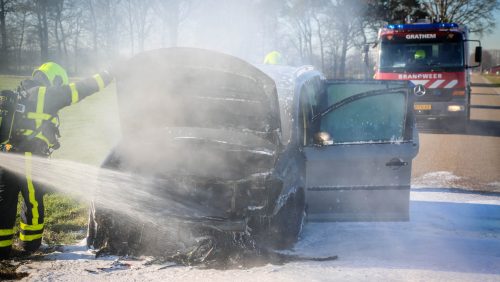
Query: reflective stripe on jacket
[(40, 117)]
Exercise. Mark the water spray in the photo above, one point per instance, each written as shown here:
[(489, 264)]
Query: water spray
[(132, 196)]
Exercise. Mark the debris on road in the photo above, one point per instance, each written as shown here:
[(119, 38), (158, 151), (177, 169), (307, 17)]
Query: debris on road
[(8, 270)]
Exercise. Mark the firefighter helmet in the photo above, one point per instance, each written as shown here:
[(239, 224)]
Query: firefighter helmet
[(274, 58), (419, 54), (51, 74)]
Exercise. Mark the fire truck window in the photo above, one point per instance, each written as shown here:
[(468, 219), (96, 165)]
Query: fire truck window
[(410, 55), (367, 120), (435, 51)]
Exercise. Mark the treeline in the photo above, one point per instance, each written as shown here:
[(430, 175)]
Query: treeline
[(491, 58), (85, 35)]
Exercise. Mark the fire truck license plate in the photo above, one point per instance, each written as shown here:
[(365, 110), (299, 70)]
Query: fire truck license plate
[(422, 107)]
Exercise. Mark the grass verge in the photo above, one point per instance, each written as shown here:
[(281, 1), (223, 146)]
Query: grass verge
[(493, 78), (66, 219)]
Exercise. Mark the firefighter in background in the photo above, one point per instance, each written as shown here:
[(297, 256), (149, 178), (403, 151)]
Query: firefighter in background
[(35, 132), (419, 56), (274, 58)]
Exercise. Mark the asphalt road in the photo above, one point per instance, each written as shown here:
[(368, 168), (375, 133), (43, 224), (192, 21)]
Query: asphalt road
[(450, 237), (475, 155)]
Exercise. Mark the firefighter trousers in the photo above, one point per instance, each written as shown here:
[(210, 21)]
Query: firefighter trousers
[(32, 212)]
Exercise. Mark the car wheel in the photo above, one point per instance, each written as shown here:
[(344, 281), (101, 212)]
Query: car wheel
[(283, 229)]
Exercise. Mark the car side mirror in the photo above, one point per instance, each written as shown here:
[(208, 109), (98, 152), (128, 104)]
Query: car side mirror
[(478, 54), (322, 139)]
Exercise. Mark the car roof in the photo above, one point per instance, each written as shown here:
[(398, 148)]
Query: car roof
[(286, 76)]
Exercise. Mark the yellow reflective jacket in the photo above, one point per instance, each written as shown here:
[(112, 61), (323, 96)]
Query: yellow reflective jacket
[(37, 120)]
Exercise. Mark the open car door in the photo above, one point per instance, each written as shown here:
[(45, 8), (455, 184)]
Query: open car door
[(359, 144)]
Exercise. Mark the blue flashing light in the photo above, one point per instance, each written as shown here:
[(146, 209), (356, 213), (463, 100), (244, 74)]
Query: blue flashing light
[(422, 26)]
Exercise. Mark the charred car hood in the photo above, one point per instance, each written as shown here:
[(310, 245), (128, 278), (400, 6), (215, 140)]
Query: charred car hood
[(188, 87), (197, 154), (196, 113)]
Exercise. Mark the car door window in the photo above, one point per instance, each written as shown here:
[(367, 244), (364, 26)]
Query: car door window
[(356, 118), (338, 92), (372, 119)]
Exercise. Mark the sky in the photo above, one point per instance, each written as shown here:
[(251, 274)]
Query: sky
[(492, 41)]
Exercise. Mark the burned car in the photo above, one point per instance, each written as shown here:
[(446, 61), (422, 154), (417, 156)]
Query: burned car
[(252, 151), (206, 127)]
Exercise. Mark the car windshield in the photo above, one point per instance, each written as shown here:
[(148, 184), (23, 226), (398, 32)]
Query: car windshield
[(421, 56)]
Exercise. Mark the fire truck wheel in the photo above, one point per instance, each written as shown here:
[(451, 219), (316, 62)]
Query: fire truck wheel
[(458, 125)]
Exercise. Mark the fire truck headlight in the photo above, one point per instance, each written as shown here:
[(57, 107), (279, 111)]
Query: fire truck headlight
[(455, 108)]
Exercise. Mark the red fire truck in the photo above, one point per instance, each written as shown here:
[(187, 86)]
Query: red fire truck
[(435, 58)]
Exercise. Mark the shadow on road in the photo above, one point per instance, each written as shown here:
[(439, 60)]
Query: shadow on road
[(489, 85), (474, 127), (457, 191)]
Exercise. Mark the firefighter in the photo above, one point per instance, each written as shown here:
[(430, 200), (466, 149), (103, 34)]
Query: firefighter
[(35, 133), (274, 58), (419, 55)]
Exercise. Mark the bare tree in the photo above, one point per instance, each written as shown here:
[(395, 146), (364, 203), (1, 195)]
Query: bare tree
[(70, 25), (322, 19), (93, 24), (130, 22), (41, 11), (5, 8), (348, 16), (495, 54), (59, 30), (476, 14), (268, 18), (139, 22), (84, 34), (112, 20), (23, 11), (77, 30), (298, 15), (171, 14), (143, 9)]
